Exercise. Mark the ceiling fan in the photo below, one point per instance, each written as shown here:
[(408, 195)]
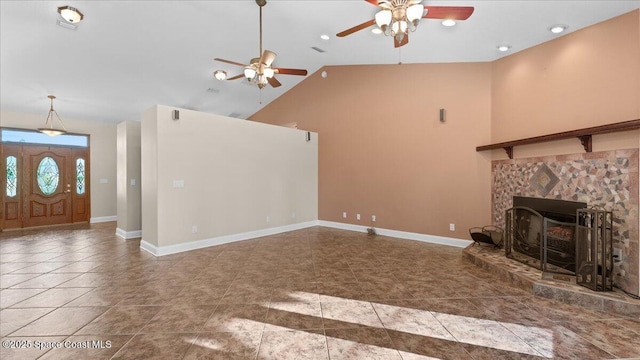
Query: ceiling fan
[(259, 70), (397, 17)]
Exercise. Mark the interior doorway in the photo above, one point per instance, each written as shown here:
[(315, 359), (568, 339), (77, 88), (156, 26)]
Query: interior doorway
[(44, 184)]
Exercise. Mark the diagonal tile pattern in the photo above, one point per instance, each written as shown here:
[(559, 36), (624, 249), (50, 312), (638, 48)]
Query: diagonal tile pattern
[(316, 293)]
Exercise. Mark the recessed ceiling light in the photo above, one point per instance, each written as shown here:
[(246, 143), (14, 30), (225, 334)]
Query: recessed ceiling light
[(557, 29), (448, 22), (504, 48), (376, 30), (324, 37)]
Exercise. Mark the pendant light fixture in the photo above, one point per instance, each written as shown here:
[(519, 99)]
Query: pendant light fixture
[(51, 131)]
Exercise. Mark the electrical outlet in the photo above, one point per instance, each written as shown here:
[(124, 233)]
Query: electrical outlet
[(194, 229), (452, 227), (344, 214), (268, 218), (373, 218), (617, 254), (293, 215), (357, 216)]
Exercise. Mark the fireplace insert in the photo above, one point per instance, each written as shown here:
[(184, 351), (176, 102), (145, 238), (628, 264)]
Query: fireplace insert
[(542, 233)]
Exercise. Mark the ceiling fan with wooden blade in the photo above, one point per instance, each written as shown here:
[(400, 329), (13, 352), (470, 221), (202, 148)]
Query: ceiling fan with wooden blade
[(397, 18), (259, 70)]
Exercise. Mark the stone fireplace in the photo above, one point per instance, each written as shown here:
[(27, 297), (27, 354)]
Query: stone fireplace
[(608, 179)]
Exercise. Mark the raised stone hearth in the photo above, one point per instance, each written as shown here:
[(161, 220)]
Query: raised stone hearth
[(531, 279), (606, 179)]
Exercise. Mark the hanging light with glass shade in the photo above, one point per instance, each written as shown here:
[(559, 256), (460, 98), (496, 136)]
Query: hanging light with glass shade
[(51, 131)]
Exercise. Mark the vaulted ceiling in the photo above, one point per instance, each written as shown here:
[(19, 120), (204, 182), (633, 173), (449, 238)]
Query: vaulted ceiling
[(126, 56)]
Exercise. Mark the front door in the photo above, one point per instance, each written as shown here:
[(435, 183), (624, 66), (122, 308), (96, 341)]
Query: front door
[(45, 185)]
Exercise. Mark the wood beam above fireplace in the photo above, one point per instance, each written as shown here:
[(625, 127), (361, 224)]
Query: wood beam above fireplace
[(584, 135)]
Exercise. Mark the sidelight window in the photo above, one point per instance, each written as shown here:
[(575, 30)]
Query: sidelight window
[(80, 177), (12, 176)]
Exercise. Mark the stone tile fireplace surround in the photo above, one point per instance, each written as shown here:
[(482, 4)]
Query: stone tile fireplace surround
[(608, 179)]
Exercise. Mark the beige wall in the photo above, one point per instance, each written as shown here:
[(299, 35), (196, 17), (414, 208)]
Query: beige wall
[(236, 174), (149, 176), (103, 156), (587, 78), (383, 150), (129, 186)]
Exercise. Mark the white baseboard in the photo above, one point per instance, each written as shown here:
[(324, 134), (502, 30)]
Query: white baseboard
[(128, 234), (199, 244), (399, 234), (101, 219)]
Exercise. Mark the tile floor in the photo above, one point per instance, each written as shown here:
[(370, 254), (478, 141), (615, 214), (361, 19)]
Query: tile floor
[(317, 293)]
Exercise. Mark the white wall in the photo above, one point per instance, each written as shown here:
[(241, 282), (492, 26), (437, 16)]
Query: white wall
[(128, 184), (103, 156), (236, 173)]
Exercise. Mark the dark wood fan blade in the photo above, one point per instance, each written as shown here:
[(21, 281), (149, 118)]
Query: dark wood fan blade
[(273, 82), (448, 12), (267, 57), (373, 2), (403, 42), (364, 25), (291, 71), (236, 77), (229, 62)]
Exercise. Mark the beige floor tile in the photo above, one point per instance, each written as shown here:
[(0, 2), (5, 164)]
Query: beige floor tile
[(14, 319), (33, 351), (121, 320), (9, 297), (310, 293), (62, 321), (88, 347), (293, 345), (52, 298), (349, 314), (179, 319), (225, 346), (237, 317), (363, 343), (156, 346)]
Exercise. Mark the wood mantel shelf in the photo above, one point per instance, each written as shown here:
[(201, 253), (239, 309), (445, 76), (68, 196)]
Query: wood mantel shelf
[(584, 135)]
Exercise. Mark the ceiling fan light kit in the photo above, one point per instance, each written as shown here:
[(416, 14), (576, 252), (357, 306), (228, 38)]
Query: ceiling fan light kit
[(259, 71), (396, 18), (220, 75)]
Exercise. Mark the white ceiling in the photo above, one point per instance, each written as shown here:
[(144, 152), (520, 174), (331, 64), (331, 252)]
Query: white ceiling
[(126, 56)]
